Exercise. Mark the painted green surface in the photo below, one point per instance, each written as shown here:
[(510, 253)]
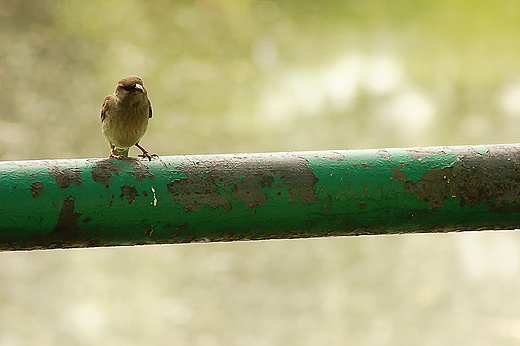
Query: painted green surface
[(103, 202)]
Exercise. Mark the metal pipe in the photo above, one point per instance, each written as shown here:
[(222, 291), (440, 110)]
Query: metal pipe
[(198, 198)]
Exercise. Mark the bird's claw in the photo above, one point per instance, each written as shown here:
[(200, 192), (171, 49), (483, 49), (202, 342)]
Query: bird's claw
[(145, 153), (117, 157), (148, 156)]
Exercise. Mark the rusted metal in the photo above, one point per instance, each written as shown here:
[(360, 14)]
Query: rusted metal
[(179, 199)]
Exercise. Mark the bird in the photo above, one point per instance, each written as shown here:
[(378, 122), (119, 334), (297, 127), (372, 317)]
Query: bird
[(124, 117)]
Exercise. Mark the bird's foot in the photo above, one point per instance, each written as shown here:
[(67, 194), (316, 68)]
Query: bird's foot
[(145, 153), (148, 156), (117, 157)]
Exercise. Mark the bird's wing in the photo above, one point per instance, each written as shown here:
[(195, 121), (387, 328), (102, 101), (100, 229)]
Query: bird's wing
[(150, 111), (104, 107)]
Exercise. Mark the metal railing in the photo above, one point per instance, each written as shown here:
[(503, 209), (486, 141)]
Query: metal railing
[(199, 198)]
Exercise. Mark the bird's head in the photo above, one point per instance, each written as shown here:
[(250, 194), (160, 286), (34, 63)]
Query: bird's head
[(130, 87)]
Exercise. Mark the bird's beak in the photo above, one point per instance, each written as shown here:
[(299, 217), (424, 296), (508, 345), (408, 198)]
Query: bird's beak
[(140, 87)]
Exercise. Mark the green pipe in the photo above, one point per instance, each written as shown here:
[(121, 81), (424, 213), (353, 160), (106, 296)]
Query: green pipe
[(200, 198)]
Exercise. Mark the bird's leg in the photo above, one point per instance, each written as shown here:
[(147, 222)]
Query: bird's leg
[(145, 153), (113, 155)]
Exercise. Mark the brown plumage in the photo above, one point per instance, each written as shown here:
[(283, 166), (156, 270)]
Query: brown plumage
[(124, 117)]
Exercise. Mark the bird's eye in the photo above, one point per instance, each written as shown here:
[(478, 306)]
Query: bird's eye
[(127, 88)]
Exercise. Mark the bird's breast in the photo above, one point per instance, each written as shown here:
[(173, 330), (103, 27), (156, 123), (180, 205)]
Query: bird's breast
[(125, 125)]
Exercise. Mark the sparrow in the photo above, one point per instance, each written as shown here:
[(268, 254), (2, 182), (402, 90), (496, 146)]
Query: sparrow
[(124, 117)]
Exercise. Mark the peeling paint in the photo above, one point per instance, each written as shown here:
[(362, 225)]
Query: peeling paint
[(258, 196), (36, 188), (384, 154), (66, 233), (141, 171), (103, 169), (398, 175), (419, 154), (67, 227), (65, 177), (333, 155), (154, 197), (431, 187), (244, 179), (130, 192), (471, 181), (480, 149)]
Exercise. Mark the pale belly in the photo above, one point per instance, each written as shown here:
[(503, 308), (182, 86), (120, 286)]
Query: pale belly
[(126, 133)]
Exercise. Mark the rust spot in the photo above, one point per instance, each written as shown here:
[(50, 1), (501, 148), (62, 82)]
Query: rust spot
[(130, 192), (326, 207), (494, 182), (399, 175), (86, 220), (431, 187), (66, 233), (148, 232), (206, 179), (362, 205), (67, 227), (364, 165), (65, 177), (103, 170), (36, 188), (141, 171)]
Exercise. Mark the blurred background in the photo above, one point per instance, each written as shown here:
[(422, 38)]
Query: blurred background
[(258, 76)]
